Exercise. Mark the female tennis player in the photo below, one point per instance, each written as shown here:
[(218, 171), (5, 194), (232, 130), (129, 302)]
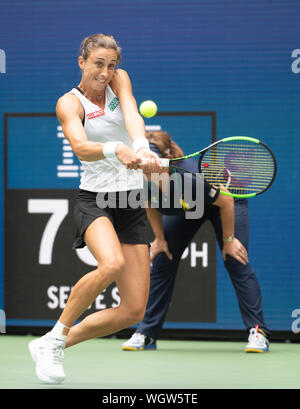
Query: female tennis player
[(173, 232), (100, 119)]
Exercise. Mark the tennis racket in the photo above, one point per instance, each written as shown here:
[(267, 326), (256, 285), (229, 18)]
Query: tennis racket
[(245, 166)]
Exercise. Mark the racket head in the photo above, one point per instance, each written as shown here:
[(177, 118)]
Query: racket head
[(245, 166)]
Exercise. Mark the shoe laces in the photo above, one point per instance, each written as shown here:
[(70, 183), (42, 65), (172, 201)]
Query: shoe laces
[(57, 353), (54, 350)]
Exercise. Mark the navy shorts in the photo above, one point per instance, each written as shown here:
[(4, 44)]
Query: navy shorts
[(131, 224)]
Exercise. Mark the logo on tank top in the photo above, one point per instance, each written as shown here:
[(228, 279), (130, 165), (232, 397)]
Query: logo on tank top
[(95, 114), (113, 104)]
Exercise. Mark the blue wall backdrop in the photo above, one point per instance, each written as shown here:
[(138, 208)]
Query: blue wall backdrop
[(237, 58)]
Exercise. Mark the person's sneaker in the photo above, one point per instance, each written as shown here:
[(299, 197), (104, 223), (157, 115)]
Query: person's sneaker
[(48, 353), (139, 342), (257, 341)]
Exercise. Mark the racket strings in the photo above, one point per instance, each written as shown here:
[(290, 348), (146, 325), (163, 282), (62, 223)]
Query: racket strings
[(250, 166)]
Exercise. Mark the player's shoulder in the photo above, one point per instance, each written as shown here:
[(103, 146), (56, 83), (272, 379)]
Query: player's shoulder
[(68, 104), (120, 82), (121, 73), (68, 98)]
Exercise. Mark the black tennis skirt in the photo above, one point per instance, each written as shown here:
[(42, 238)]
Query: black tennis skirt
[(131, 224)]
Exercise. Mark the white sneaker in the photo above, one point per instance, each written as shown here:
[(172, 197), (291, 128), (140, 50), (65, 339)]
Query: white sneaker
[(257, 341), (48, 353), (139, 342)]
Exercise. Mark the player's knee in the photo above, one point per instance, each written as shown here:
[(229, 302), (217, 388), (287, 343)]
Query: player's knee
[(134, 315), (112, 267), (139, 314)]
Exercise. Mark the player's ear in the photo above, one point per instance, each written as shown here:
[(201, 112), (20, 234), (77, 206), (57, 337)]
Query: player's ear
[(81, 62)]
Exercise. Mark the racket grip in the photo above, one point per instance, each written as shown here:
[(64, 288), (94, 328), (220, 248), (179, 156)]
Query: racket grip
[(143, 161), (165, 163)]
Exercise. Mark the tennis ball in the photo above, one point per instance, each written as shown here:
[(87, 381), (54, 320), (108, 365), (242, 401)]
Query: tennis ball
[(148, 109)]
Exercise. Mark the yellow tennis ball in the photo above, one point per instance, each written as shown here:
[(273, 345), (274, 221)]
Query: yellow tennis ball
[(148, 109)]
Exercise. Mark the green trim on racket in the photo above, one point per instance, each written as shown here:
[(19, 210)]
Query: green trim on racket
[(243, 138), (237, 195)]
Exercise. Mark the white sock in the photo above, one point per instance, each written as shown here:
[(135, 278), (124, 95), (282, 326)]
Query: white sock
[(57, 331)]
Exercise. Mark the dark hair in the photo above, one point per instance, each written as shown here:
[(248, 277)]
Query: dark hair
[(168, 148), (99, 40)]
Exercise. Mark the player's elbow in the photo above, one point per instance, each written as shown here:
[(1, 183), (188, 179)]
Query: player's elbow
[(80, 151)]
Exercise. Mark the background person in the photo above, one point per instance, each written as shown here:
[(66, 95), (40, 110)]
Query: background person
[(173, 232)]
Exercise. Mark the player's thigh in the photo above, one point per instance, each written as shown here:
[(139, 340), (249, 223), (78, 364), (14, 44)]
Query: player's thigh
[(103, 242), (133, 280)]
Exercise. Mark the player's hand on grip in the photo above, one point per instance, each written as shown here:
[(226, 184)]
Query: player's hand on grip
[(159, 246), (236, 250), (127, 156), (150, 161)]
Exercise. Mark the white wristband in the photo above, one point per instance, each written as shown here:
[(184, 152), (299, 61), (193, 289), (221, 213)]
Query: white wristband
[(109, 149), (140, 143)]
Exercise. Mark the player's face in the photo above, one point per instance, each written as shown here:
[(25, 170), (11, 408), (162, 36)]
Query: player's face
[(99, 68)]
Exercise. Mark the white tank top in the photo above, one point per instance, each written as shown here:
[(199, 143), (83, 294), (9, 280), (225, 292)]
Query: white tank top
[(106, 175)]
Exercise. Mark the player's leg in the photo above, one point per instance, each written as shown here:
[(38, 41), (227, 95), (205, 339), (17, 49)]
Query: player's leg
[(133, 285), (47, 351), (103, 243)]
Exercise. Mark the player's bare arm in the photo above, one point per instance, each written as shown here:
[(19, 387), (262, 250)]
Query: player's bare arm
[(121, 85)]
